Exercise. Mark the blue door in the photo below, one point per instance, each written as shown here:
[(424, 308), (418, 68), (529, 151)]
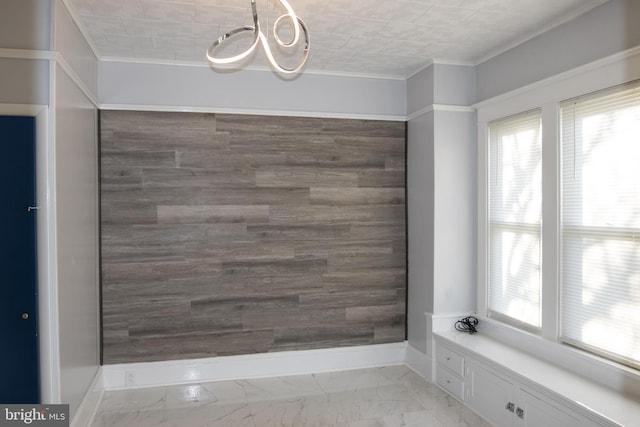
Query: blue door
[(19, 360)]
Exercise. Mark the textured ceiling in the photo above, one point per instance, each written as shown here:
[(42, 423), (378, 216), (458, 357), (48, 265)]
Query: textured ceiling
[(375, 37)]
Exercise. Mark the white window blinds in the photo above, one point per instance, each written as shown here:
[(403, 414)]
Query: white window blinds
[(600, 283), (515, 194)]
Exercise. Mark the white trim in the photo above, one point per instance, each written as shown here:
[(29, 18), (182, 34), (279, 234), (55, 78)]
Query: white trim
[(482, 270), (48, 312), (265, 69), (52, 238), (88, 407), (442, 108), (435, 61), (47, 305), (251, 366), (431, 355), (46, 55), (69, 71), (419, 362), (221, 110), (76, 19)]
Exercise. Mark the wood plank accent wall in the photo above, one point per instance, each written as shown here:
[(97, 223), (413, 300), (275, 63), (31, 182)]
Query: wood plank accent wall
[(234, 234)]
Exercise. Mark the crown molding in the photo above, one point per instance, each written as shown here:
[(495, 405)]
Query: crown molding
[(204, 64), (246, 111)]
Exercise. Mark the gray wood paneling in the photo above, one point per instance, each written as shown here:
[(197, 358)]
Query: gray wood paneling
[(233, 234)]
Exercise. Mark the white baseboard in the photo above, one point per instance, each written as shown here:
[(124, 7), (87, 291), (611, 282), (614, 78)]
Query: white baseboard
[(137, 375), (419, 362), (89, 406)]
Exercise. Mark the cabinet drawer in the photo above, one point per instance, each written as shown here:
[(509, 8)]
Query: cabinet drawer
[(450, 359), (450, 382)]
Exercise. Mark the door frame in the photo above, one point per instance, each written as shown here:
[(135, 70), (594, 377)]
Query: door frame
[(46, 248)]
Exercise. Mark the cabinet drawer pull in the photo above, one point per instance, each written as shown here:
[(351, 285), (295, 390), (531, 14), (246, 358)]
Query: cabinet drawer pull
[(520, 413), (510, 407)]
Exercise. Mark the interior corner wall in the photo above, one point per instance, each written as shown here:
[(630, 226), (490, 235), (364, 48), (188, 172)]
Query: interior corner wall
[(421, 90), (76, 194), (75, 165), (603, 31), (454, 85), (441, 176), (420, 206), (71, 45)]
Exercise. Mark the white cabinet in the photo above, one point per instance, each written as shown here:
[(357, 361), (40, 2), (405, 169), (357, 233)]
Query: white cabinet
[(450, 372), (505, 402), (498, 395), (538, 412), (489, 394)]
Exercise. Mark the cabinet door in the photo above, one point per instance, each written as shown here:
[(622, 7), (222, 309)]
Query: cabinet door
[(539, 411), (489, 394)]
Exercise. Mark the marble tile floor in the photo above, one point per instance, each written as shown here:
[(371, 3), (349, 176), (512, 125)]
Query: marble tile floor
[(390, 396)]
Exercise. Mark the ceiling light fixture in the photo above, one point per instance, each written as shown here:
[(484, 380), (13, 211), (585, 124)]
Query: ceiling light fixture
[(296, 23)]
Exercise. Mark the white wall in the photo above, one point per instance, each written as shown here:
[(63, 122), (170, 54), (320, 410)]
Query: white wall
[(76, 202), (77, 238), (25, 24), (24, 81), (162, 86), (420, 206), (454, 85), (421, 90), (74, 50), (455, 217), (441, 187), (24, 29)]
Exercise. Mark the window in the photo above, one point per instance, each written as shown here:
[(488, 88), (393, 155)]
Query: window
[(515, 206), (600, 224), (560, 250)]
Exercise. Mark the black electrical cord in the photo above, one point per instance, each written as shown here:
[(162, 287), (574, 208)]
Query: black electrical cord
[(468, 324)]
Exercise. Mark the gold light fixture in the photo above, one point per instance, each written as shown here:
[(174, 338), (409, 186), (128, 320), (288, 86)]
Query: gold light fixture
[(299, 31)]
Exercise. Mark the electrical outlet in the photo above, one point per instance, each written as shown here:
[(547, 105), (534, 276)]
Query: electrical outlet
[(130, 378)]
